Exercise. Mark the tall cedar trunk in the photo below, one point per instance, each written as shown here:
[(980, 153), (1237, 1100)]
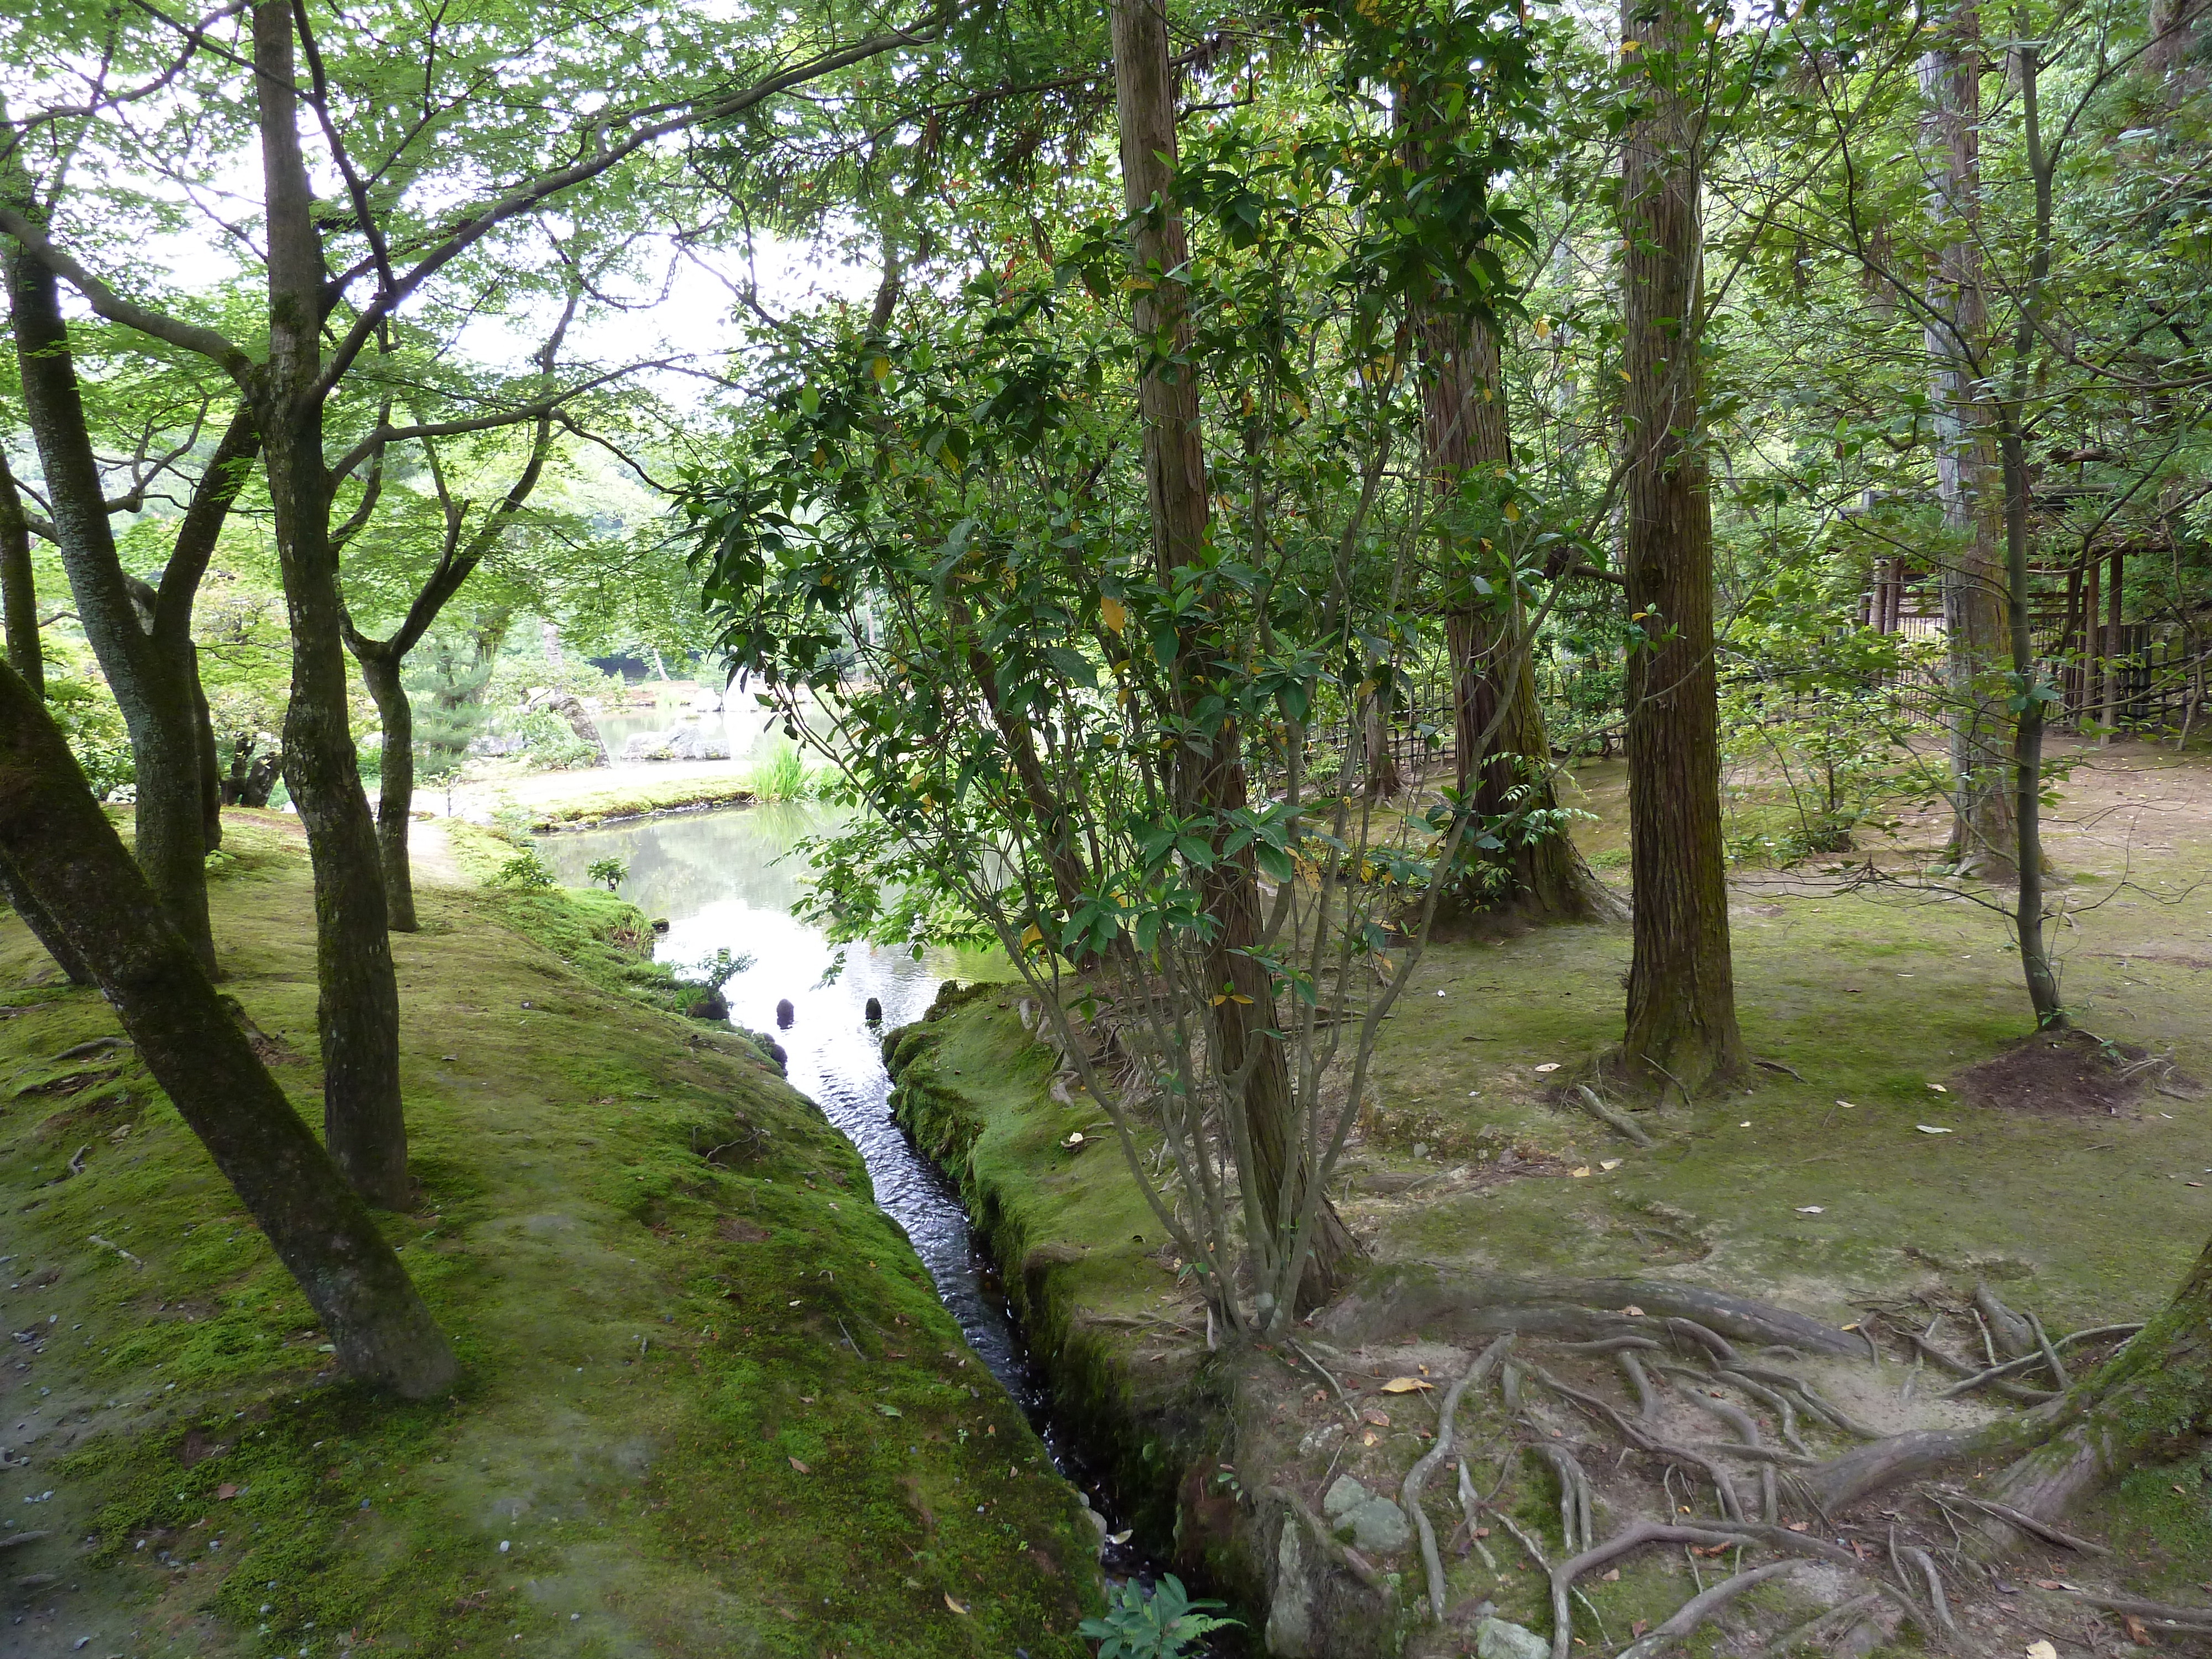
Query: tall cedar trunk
[(1244, 1025), (19, 588), (1984, 840), (1681, 994), (395, 795), (149, 670), (55, 835), (1504, 771), (358, 1010)]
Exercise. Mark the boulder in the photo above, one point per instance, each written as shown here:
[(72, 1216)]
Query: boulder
[(1500, 1638), (1345, 1496), (1379, 1527)]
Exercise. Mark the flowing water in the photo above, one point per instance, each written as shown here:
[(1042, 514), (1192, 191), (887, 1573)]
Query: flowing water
[(723, 881)]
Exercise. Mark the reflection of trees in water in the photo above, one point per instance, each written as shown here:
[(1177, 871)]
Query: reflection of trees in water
[(679, 864)]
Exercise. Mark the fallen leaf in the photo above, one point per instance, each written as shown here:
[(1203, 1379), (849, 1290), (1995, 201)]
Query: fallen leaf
[(1482, 1532), (1406, 1385), (1549, 1065), (891, 1411), (2138, 1633), (1380, 1419), (1611, 1576), (1610, 1163), (1848, 1105), (1798, 1526), (1938, 1088), (2049, 1583), (1582, 1172), (957, 1607), (800, 1467), (1074, 1139), (226, 1491), (1930, 1129), (1367, 1438), (1633, 1312), (1810, 1209), (1852, 990), (2041, 1650), (1636, 1627)]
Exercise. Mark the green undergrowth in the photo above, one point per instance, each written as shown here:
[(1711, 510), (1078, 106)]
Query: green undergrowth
[(709, 1404)]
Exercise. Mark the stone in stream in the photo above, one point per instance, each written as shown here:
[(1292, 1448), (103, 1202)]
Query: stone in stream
[(874, 1012), (785, 1013)]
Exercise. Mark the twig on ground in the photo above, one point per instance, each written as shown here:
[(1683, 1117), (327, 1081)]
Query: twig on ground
[(1468, 1504), (1327, 1378), (1575, 1531), (2050, 1354), (2169, 1614), (2023, 1521)]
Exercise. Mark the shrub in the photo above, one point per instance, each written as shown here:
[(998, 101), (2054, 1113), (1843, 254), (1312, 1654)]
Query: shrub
[(609, 873)]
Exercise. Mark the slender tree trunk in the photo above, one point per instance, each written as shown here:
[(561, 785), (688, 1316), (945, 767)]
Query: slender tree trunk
[(1244, 1024), (19, 588), (358, 1010), (151, 684), (395, 798), (56, 836), (44, 929), (1503, 770), (1681, 994), (1984, 840)]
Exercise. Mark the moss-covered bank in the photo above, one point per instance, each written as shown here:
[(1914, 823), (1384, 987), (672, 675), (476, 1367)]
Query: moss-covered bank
[(710, 1404)]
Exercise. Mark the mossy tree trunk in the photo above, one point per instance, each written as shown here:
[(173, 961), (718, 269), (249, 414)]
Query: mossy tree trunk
[(141, 635), (357, 1012), (18, 588), (1243, 1024), (56, 836), (1682, 1025)]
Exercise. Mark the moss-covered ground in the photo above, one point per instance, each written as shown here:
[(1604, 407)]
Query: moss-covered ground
[(710, 1404), (583, 799), (1856, 1173)]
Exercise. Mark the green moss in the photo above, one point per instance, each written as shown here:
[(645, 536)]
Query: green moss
[(664, 1277)]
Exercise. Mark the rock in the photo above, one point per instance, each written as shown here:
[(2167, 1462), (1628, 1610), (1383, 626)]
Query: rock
[(1379, 1527), (679, 743), (1290, 1612), (1500, 1638), (1344, 1497), (646, 746), (874, 1014), (785, 1013), (711, 1006)]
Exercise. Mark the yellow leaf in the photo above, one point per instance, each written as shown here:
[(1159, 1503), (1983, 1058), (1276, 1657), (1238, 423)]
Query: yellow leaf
[(957, 1607), (1406, 1385), (1512, 514), (1609, 1164), (881, 368), (1032, 934), (1112, 613), (1543, 328), (1633, 1312), (1233, 997), (1217, 1001), (1583, 1172), (1627, 47)]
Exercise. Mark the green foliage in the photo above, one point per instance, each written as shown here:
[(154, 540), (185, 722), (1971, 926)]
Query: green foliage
[(1162, 1625), (525, 872), (784, 774), (609, 872), (93, 725)]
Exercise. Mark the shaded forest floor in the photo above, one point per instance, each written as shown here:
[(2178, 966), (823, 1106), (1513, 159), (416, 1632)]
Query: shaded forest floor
[(1912, 1150), (711, 1403)]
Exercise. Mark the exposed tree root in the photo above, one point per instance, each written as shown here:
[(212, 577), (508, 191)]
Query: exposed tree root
[(1700, 1608), (1613, 1118), (2162, 1615), (1418, 1476)]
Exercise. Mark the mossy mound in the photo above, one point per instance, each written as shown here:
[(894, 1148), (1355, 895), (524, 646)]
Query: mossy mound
[(711, 1403)]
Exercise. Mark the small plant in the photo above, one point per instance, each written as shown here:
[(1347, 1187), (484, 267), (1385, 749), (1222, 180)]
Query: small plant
[(1161, 1626), (783, 775), (715, 971), (525, 872), (609, 873)]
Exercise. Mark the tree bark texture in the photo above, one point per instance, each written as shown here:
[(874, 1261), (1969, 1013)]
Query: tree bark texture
[(1984, 838), (358, 1009), (1242, 1030), (395, 795), (1503, 766), (1681, 994), (44, 929), (19, 588), (149, 664), (56, 838)]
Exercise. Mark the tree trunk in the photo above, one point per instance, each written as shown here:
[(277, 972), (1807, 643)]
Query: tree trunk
[(1384, 777), (56, 836), (149, 676), (358, 1010), (1984, 840), (19, 589), (44, 929), (1681, 994), (1503, 767), (1244, 1025), (395, 798)]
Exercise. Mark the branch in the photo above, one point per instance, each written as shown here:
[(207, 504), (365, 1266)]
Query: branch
[(543, 408), (107, 302)]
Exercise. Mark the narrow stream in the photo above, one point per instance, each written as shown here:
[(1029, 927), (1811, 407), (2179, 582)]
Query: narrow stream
[(717, 877)]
